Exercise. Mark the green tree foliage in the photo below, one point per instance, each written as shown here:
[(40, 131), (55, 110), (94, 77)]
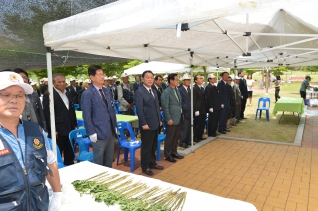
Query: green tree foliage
[(279, 70), (132, 63), (312, 69)]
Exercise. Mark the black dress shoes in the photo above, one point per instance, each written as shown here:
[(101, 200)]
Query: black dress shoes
[(196, 140), (213, 135), (227, 130), (171, 159), (157, 167), (176, 155), (223, 132), (202, 139), (184, 145), (148, 171)]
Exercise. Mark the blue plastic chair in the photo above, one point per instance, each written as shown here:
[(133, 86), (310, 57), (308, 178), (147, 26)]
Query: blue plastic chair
[(164, 124), (76, 107), (117, 107), (80, 123), (60, 163), (77, 135), (161, 137), (136, 114), (263, 104), (129, 146)]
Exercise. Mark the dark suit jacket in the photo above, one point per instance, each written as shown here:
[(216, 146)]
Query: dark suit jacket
[(74, 93), (159, 92), (199, 100), (147, 108), (243, 88), (171, 106), (65, 119), (164, 85), (212, 96), (136, 86), (37, 106), (80, 93), (97, 117), (224, 93), (186, 102)]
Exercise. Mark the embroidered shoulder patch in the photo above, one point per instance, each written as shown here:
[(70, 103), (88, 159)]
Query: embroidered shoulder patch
[(4, 151), (37, 144)]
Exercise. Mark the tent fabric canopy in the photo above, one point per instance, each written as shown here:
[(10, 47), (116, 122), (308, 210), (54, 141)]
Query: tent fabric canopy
[(228, 34), (158, 67)]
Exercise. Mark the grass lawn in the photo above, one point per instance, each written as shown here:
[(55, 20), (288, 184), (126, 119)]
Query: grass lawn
[(268, 130)]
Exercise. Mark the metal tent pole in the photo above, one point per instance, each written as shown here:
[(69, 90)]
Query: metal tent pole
[(52, 113)]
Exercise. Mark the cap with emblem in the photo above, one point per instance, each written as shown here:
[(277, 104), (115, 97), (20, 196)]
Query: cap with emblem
[(124, 75), (72, 79), (115, 77), (211, 76), (13, 79), (186, 76), (45, 79), (105, 78), (165, 76), (88, 81)]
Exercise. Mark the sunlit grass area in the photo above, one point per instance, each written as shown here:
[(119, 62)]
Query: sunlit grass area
[(262, 129)]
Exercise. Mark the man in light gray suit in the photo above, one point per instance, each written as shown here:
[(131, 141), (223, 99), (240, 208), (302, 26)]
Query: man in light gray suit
[(172, 108)]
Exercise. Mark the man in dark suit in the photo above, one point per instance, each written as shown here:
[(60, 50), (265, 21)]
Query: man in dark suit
[(165, 82), (157, 86), (99, 117), (171, 106), (213, 104), (137, 83), (225, 99), (65, 118), (199, 108), (146, 100), (34, 100), (244, 93), (74, 90), (185, 131)]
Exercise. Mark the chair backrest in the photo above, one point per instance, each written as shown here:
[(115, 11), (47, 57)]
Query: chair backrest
[(78, 135), (80, 123), (59, 156), (135, 110), (264, 102), (121, 126), (76, 107), (164, 124)]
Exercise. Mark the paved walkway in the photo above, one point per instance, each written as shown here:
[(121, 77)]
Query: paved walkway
[(272, 177)]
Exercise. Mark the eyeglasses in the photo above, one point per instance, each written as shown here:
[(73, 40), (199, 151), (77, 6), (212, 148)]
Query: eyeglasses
[(8, 96), (100, 75)]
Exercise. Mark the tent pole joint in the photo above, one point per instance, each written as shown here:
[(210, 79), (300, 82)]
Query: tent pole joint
[(247, 54), (247, 34)]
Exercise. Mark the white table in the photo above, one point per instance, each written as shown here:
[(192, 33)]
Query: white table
[(312, 92), (195, 200)]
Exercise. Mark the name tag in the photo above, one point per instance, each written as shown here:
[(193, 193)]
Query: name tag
[(4, 152)]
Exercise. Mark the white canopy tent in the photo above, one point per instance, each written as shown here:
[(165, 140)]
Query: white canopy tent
[(157, 68), (232, 33)]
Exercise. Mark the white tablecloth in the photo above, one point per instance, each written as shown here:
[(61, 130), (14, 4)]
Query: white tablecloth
[(195, 200)]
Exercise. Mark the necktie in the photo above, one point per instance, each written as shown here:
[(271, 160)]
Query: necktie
[(189, 92), (151, 93), (175, 93), (103, 96), (160, 89), (202, 88)]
